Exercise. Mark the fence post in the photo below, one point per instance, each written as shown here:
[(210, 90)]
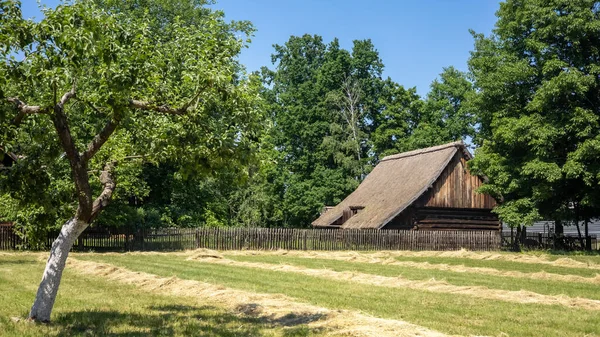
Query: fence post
[(126, 239), (304, 240)]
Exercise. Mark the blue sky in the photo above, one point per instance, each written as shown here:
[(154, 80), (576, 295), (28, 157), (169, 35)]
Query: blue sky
[(415, 38)]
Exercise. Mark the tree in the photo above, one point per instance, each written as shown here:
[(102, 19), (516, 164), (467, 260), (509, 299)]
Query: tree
[(321, 98), (397, 121), (96, 87), (348, 100), (408, 122), (446, 108), (537, 102)]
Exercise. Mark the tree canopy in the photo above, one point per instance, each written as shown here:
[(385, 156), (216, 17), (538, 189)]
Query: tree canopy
[(96, 88), (537, 108), (101, 82)]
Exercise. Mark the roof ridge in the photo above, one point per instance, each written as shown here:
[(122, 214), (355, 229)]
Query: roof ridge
[(417, 152)]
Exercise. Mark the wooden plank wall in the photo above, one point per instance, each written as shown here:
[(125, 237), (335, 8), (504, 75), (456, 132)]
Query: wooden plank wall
[(456, 218), (456, 188), (285, 238)]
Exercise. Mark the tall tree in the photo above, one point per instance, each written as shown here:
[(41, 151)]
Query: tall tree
[(447, 112), (538, 108), (322, 98), (397, 121), (98, 85)]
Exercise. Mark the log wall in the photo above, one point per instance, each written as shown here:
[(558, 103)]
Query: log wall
[(455, 188)]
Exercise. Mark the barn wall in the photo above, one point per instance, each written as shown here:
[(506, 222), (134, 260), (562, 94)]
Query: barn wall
[(430, 218), (455, 188), (404, 220)]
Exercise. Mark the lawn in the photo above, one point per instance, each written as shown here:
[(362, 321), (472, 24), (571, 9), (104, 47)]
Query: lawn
[(112, 307), (447, 313), (93, 306), (584, 290), (503, 265)]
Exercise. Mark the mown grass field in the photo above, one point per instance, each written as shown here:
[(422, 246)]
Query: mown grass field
[(448, 295)]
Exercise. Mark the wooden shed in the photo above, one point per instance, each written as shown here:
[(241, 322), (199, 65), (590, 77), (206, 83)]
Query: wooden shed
[(426, 189)]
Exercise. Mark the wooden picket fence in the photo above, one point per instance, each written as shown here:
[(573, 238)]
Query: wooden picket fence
[(9, 240), (279, 238)]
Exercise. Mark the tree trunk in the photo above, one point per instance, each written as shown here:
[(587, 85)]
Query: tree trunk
[(578, 229), (558, 227), (46, 294), (588, 239)]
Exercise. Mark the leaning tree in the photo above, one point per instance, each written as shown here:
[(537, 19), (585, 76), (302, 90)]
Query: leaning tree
[(97, 85)]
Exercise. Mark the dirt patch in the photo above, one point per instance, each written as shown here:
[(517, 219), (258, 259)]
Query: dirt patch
[(277, 309), (428, 285)]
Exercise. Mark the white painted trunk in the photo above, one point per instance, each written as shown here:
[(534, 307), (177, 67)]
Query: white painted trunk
[(46, 294)]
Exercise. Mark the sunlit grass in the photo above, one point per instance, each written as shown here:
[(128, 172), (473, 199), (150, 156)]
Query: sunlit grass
[(457, 278), (503, 265), (92, 306), (449, 313)]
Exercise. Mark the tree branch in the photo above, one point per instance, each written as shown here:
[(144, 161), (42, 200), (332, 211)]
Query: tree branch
[(25, 109), (78, 166), (109, 185), (164, 108), (99, 140), (66, 97), (108, 182), (146, 106)]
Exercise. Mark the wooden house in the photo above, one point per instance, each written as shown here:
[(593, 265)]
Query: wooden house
[(426, 189)]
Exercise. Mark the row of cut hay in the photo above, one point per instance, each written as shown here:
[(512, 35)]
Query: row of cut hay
[(270, 307), (522, 258), (525, 297), (369, 258)]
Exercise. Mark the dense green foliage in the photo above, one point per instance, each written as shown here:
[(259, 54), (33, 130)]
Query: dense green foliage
[(538, 81), (149, 94), (273, 148), (334, 117)]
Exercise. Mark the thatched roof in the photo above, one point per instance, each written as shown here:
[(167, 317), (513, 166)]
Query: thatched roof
[(393, 185)]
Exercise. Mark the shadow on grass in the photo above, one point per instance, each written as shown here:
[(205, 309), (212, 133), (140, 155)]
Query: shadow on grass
[(292, 319), (18, 261), (182, 320), (571, 253)]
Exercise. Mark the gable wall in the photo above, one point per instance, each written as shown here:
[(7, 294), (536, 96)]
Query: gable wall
[(455, 188)]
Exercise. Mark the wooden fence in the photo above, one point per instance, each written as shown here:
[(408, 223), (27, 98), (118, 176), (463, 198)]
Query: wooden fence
[(540, 240), (277, 238), (9, 240)]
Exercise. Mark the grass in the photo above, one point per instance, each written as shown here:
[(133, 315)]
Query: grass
[(503, 265), (91, 306), (581, 256), (457, 278), (449, 313)]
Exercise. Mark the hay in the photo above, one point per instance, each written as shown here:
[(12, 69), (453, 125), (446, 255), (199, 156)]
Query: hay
[(522, 258), (465, 254), (525, 297), (369, 258), (273, 308)]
